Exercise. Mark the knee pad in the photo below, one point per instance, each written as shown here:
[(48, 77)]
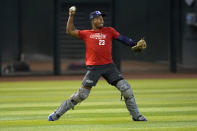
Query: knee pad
[(81, 95), (127, 93), (125, 89)]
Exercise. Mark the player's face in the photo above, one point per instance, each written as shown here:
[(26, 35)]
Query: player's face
[(98, 22)]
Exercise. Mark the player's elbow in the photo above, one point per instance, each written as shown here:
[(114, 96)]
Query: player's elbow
[(69, 32), (73, 33)]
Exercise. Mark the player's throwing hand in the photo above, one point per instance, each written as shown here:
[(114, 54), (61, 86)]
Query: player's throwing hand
[(72, 10)]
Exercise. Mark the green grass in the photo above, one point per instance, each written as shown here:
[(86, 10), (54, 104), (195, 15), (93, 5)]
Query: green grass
[(169, 105)]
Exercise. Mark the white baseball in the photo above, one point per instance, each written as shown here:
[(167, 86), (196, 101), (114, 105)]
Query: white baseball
[(73, 8)]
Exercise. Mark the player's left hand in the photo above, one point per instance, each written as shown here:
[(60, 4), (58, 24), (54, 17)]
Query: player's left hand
[(141, 46)]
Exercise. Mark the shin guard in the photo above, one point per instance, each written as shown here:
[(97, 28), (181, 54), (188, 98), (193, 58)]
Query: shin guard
[(76, 98), (127, 93)]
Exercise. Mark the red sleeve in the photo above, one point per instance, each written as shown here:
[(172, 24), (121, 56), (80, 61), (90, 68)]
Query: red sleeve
[(81, 34), (115, 34)]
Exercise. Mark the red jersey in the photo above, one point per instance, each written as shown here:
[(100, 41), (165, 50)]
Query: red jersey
[(98, 45)]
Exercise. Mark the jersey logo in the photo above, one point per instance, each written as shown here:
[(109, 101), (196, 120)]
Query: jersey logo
[(98, 36)]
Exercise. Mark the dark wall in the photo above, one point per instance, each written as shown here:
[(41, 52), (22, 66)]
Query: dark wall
[(9, 30), (37, 26), (27, 24), (149, 18), (189, 47)]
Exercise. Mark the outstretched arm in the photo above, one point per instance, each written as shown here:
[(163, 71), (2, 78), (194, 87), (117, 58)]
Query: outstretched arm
[(137, 47), (126, 40), (70, 28)]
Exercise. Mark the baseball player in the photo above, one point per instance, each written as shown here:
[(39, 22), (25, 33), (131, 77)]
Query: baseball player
[(99, 63)]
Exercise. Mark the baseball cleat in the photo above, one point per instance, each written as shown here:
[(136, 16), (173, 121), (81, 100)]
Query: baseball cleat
[(50, 117), (140, 118)]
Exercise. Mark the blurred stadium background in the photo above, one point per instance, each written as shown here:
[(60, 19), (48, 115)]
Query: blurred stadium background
[(33, 39)]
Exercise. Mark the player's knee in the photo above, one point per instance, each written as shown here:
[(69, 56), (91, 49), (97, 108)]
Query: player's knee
[(122, 85), (127, 93), (81, 95), (125, 89)]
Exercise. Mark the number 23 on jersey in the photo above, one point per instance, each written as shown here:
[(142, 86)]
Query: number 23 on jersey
[(101, 42)]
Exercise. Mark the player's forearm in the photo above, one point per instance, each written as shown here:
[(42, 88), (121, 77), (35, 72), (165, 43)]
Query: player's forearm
[(126, 40), (70, 25)]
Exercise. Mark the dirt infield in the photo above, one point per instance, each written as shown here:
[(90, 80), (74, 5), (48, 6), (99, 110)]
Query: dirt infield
[(80, 77)]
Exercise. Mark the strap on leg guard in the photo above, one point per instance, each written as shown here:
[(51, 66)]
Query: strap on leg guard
[(127, 93), (81, 95)]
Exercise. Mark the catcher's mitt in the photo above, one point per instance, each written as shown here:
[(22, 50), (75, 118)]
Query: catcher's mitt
[(140, 46)]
